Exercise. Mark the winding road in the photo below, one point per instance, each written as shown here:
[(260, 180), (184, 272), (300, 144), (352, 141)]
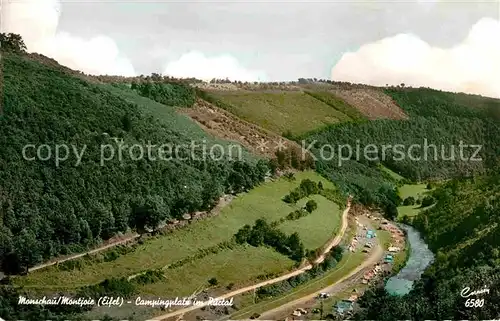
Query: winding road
[(375, 256), (228, 295)]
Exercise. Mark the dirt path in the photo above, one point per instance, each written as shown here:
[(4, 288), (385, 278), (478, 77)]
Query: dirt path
[(320, 259), (223, 202), (374, 257), (96, 250)]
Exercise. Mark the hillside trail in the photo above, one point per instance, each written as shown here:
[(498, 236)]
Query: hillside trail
[(320, 259), (334, 288), (76, 256), (223, 202)]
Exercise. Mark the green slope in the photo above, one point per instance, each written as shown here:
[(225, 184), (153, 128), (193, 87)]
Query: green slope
[(48, 210), (286, 112)]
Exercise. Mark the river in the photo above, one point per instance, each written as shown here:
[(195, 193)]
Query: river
[(419, 259)]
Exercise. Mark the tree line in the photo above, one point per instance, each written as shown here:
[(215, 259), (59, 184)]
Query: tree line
[(262, 233)]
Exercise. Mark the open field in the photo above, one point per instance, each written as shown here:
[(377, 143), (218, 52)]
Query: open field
[(316, 228), (337, 103), (417, 191), (237, 266), (261, 202), (281, 112)]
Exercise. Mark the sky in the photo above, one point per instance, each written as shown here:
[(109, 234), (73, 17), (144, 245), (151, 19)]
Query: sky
[(446, 45)]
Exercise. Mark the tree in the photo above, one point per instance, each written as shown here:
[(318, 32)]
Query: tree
[(243, 234), (213, 281), (296, 247), (273, 166), (144, 216), (28, 248), (391, 211), (428, 201), (308, 187), (11, 42), (409, 201), (311, 205)]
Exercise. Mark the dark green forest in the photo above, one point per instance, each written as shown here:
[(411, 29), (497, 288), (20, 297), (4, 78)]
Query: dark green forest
[(48, 209), (438, 120)]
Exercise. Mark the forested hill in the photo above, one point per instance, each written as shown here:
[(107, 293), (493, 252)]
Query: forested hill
[(463, 229), (47, 209), (440, 120)]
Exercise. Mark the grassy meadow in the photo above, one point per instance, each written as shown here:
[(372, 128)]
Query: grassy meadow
[(318, 227), (235, 266), (281, 112)]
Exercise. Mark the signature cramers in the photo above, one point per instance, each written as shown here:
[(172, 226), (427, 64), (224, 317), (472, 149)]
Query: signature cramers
[(474, 302), (397, 152)]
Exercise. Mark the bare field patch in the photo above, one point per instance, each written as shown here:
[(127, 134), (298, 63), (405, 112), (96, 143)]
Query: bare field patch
[(224, 125), (372, 103)]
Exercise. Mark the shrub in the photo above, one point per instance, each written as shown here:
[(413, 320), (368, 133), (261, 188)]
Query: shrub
[(409, 201), (428, 201), (213, 281), (311, 205)]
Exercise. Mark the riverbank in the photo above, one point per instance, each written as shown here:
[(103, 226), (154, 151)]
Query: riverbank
[(419, 258)]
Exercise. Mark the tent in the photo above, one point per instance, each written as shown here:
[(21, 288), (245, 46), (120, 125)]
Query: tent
[(343, 306)]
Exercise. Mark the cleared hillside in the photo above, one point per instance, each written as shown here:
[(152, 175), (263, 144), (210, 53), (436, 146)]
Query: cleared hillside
[(221, 123), (371, 102), (283, 112)]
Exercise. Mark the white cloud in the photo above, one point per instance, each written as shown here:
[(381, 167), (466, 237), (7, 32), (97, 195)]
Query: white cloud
[(472, 66), (37, 20), (196, 64)]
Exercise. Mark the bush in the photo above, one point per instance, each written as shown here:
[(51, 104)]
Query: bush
[(391, 211), (109, 287), (295, 215), (213, 281), (409, 201), (428, 201), (311, 205)]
